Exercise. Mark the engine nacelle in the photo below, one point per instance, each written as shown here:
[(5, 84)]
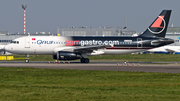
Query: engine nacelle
[(64, 55)]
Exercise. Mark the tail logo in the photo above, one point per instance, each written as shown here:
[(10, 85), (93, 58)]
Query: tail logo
[(158, 26)]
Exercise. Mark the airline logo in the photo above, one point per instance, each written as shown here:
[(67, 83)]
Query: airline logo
[(158, 26), (157, 23), (33, 38), (44, 42), (90, 42)]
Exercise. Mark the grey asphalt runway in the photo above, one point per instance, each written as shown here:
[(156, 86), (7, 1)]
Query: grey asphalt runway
[(107, 66)]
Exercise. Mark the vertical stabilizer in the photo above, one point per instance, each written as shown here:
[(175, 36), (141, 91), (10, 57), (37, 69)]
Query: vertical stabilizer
[(159, 27)]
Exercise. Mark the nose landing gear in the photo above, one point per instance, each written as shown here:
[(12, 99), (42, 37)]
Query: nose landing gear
[(27, 59)]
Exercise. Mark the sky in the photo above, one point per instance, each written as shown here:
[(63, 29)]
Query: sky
[(48, 15)]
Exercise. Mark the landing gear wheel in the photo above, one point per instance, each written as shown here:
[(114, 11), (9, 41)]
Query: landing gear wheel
[(84, 60), (26, 61)]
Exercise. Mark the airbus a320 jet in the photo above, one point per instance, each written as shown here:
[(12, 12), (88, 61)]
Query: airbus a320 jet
[(75, 47)]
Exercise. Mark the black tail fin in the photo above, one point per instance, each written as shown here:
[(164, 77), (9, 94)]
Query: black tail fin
[(159, 26)]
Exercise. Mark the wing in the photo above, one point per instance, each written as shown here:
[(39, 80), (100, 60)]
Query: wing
[(82, 49), (88, 49)]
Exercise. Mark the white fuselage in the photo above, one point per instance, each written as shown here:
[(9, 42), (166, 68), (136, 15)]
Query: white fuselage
[(50, 45)]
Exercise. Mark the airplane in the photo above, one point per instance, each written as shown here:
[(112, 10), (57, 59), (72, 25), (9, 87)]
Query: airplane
[(79, 47), (166, 50)]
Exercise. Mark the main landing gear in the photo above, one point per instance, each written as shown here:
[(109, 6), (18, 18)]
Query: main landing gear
[(84, 60)]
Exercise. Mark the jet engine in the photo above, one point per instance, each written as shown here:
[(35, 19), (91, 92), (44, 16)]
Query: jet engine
[(64, 55)]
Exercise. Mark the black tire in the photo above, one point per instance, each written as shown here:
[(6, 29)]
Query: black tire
[(26, 61), (86, 60), (82, 60)]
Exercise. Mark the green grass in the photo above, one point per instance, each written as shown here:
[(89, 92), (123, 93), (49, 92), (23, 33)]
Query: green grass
[(129, 57), (24, 84)]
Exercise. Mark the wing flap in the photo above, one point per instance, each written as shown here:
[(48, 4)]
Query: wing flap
[(82, 49), (90, 48)]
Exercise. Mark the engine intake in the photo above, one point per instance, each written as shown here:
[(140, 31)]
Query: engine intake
[(64, 55)]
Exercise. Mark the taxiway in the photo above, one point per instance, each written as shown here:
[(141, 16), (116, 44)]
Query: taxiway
[(107, 66)]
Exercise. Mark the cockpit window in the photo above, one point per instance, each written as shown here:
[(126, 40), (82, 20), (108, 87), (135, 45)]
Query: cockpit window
[(15, 42)]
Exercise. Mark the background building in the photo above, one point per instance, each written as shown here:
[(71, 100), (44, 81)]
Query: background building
[(172, 32), (6, 38), (105, 31)]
